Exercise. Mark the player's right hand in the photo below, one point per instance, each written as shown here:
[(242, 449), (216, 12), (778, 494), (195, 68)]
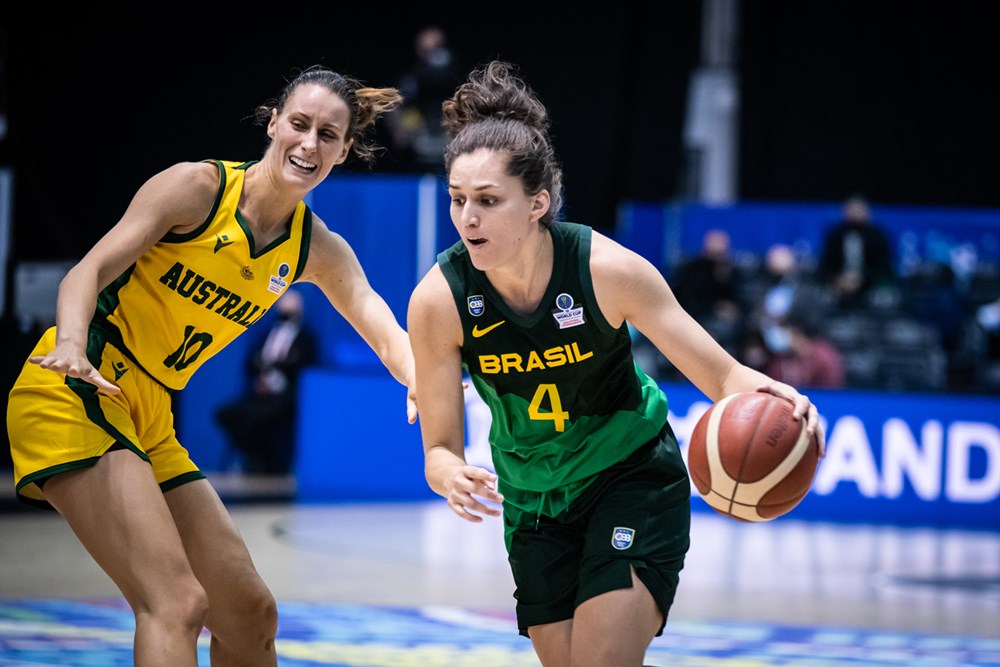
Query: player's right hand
[(75, 365), (466, 487)]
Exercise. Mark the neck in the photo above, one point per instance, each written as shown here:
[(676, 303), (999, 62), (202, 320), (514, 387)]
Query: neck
[(522, 283), (264, 203)]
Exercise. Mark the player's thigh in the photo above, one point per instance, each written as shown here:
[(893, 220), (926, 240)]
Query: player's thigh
[(616, 627), (639, 522), (117, 511), (216, 549)]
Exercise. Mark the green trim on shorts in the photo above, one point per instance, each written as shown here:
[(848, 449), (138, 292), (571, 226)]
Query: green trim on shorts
[(92, 405), (43, 475), (181, 480)]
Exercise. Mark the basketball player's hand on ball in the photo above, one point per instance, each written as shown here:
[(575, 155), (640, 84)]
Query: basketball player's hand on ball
[(802, 408), (466, 487), (74, 363), (411, 403)]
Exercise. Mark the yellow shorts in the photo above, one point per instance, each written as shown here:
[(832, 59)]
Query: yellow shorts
[(57, 423)]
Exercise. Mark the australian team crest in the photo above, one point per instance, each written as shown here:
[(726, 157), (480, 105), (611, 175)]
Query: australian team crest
[(621, 538), (567, 313), (477, 305)]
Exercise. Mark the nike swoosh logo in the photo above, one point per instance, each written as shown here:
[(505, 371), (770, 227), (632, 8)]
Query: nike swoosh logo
[(220, 244), (479, 333)]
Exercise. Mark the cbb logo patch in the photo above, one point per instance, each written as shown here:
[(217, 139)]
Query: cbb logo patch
[(477, 305), (622, 538)]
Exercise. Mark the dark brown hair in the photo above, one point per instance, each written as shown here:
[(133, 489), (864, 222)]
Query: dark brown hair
[(365, 104), (496, 110)]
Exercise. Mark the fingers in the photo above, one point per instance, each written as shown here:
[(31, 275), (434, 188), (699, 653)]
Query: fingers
[(84, 372), (821, 439), (468, 487), (103, 386), (802, 408)]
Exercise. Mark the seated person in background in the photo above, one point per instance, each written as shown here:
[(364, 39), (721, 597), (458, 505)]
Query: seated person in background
[(260, 423), (856, 255), (988, 319), (784, 278), (707, 286), (794, 352)]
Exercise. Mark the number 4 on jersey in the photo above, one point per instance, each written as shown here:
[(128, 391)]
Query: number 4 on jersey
[(556, 415)]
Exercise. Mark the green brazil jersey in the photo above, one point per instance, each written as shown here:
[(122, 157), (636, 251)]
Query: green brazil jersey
[(566, 397)]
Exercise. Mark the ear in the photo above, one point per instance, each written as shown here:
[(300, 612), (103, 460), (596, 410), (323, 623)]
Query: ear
[(540, 204), (344, 152), (271, 123)]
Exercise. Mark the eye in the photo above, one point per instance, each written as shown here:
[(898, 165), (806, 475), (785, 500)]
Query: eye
[(457, 200), (488, 201)]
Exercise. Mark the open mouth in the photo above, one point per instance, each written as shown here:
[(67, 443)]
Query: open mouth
[(299, 163), (476, 242)]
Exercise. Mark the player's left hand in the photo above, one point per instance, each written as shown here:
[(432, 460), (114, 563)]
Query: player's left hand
[(802, 408)]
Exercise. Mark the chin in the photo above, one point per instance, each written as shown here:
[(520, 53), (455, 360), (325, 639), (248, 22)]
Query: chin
[(480, 262)]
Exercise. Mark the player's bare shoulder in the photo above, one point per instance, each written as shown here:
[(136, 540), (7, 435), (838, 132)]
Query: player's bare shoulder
[(431, 291), (180, 197), (197, 179), (610, 259), (616, 269), (432, 307)]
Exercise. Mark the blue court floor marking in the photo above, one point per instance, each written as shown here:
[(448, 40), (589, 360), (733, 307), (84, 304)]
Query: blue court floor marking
[(98, 633)]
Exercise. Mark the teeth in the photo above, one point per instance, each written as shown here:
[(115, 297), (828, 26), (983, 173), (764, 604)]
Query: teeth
[(302, 163)]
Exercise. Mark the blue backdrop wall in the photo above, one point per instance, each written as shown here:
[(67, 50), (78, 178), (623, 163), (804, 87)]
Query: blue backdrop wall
[(902, 458)]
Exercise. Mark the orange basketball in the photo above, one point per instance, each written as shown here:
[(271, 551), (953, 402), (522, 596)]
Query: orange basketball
[(749, 459)]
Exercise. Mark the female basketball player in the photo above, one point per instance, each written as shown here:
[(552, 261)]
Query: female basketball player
[(201, 253), (594, 489)]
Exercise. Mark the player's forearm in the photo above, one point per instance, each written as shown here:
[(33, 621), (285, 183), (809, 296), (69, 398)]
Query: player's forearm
[(75, 306), (398, 358), (440, 466)]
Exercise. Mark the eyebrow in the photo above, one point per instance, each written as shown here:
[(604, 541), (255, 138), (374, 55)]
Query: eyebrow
[(324, 126), (477, 188)]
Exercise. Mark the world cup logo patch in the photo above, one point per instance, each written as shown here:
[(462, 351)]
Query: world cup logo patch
[(567, 312), (622, 538)]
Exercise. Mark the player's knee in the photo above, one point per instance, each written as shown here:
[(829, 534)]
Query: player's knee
[(261, 614), (187, 609)]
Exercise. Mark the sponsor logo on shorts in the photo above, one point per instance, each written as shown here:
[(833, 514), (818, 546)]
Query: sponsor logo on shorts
[(622, 538)]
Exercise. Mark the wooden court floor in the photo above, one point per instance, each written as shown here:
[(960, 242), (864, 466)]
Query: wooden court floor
[(410, 584)]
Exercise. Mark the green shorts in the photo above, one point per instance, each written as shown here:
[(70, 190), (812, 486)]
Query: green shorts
[(636, 513)]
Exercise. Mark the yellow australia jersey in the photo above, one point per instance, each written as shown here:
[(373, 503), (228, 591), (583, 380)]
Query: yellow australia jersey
[(192, 294)]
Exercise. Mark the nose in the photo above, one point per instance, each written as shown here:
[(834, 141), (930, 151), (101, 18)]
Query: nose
[(310, 140), (469, 217)]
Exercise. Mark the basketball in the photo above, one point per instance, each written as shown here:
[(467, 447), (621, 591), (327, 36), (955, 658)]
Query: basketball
[(749, 459)]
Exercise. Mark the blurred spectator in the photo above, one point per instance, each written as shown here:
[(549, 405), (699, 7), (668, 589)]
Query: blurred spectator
[(856, 255), (797, 355), (988, 319), (708, 287), (934, 297), (260, 424), (784, 281), (417, 136), (783, 286)]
